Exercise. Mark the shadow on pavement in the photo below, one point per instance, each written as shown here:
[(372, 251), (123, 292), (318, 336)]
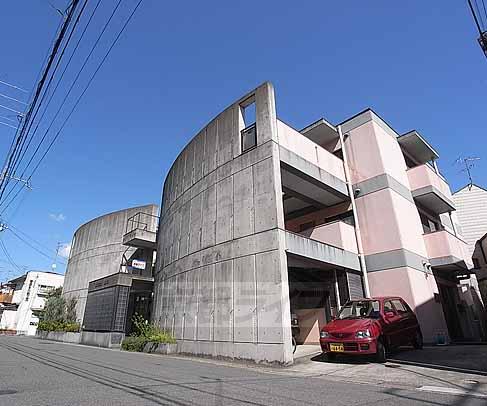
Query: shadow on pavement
[(458, 358)]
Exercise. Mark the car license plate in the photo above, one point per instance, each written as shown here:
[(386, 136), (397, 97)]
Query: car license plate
[(337, 348)]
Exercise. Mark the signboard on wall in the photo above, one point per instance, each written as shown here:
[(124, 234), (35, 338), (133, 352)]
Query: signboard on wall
[(138, 264)]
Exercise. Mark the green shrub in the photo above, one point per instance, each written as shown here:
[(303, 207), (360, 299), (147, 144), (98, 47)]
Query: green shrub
[(49, 325), (145, 332), (134, 343), (162, 337)]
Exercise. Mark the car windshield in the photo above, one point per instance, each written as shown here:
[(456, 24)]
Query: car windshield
[(360, 309)]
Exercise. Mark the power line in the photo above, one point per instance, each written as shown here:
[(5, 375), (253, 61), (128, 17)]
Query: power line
[(114, 42), (38, 91), (54, 91), (8, 108), (9, 258), (32, 246), (9, 119), (13, 86), (21, 138), (12, 98), (9, 125)]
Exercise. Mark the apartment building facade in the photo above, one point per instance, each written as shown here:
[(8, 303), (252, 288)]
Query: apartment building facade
[(23, 298), (259, 220)]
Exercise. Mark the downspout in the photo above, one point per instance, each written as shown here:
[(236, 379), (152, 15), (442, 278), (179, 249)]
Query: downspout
[(358, 235)]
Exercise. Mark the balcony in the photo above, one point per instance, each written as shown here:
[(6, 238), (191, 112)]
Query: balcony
[(430, 189), (338, 233), (141, 231), (446, 251)]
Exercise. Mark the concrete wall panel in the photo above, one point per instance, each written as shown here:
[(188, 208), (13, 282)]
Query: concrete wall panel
[(243, 203), (205, 303), (245, 300), (223, 326), (224, 210)]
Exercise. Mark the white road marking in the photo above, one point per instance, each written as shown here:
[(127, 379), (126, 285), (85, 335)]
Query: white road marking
[(452, 391)]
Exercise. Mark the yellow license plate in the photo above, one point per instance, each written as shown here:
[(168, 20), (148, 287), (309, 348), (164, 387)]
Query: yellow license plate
[(337, 348)]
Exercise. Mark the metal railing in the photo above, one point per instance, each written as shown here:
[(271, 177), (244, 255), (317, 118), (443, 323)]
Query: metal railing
[(142, 221)]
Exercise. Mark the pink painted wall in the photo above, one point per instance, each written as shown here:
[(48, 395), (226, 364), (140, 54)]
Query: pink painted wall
[(310, 323), (372, 152), (442, 244), (424, 175), (388, 222), (294, 141), (417, 289), (337, 233)]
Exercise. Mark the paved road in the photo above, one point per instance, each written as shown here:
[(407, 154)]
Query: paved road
[(42, 373)]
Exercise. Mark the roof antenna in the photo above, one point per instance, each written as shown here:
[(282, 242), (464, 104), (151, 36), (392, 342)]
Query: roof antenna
[(468, 163)]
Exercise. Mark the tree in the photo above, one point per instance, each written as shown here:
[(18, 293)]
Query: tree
[(59, 309)]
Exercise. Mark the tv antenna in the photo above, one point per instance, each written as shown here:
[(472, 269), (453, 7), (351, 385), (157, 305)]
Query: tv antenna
[(468, 163)]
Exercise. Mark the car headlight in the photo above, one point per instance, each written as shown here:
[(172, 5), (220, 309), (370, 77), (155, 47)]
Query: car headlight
[(363, 334), (324, 334)]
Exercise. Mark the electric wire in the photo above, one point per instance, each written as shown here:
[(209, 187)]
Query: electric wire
[(114, 42), (25, 130), (12, 98), (26, 118), (52, 258), (13, 86), (54, 91)]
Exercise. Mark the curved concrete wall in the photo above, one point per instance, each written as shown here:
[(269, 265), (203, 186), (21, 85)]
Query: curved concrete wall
[(96, 252), (221, 280)]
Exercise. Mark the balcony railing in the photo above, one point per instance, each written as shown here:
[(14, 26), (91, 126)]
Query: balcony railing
[(430, 189), (338, 234), (445, 249), (141, 230)]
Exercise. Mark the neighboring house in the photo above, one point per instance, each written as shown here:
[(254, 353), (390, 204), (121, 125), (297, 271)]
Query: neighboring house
[(480, 263), (259, 220), (24, 298), (471, 204)]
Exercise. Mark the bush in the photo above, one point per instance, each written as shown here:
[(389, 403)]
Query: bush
[(134, 343), (49, 325), (162, 337), (145, 332)]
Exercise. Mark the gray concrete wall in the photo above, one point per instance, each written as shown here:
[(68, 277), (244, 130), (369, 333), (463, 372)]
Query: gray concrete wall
[(97, 252), (221, 282)]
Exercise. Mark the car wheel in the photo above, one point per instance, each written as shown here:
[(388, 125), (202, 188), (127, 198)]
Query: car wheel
[(330, 356), (380, 355), (418, 340)]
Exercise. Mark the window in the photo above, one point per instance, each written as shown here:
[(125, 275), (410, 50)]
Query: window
[(399, 306), (249, 132), (388, 307), (249, 138), (357, 309)]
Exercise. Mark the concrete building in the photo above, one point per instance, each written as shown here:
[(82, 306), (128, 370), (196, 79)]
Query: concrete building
[(23, 298), (259, 219), (109, 272)]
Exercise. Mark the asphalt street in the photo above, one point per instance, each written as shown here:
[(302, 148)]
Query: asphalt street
[(43, 373)]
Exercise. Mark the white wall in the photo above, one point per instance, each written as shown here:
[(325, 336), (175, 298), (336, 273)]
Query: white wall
[(27, 297)]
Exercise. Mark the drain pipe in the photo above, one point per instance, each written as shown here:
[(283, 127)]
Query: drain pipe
[(358, 235)]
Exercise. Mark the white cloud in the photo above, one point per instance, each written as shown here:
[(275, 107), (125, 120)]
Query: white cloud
[(57, 217), (64, 250)]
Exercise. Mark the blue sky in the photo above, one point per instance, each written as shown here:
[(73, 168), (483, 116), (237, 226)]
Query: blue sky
[(178, 64)]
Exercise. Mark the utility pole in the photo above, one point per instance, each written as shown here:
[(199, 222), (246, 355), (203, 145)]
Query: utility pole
[(468, 163), (482, 31), (58, 247)]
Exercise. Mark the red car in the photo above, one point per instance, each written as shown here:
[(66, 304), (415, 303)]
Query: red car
[(371, 326)]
